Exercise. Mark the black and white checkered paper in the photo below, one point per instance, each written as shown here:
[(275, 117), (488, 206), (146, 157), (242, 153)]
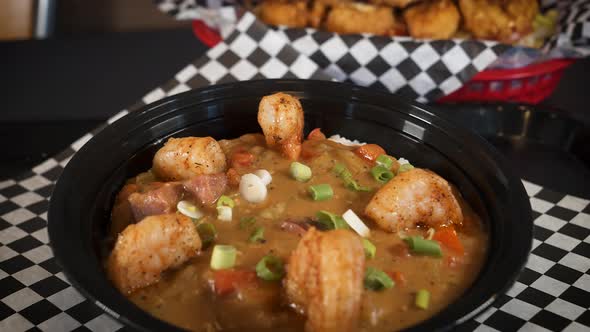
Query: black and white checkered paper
[(552, 294), (423, 70)]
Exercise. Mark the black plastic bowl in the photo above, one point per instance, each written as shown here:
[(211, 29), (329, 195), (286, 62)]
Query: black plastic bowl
[(83, 197)]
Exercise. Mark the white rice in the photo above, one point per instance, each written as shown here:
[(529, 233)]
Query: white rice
[(402, 161), (345, 141)]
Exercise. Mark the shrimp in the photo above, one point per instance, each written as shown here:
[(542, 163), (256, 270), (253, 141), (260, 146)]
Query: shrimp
[(183, 158), (414, 197), (146, 249), (503, 20), (325, 279), (281, 118), (435, 19)]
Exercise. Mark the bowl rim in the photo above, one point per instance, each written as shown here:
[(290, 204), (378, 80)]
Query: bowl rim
[(153, 111)]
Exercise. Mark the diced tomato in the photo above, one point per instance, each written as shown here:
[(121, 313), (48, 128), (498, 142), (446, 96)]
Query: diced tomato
[(308, 150), (241, 159), (369, 152), (448, 238), (233, 177), (227, 281), (316, 135), (398, 277)]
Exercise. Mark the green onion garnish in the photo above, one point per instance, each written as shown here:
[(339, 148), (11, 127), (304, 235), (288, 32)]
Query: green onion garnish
[(223, 257), (270, 268), (207, 233), (377, 280), (257, 235), (342, 172), (246, 222), (385, 161), (300, 172), (405, 168), (418, 245), (381, 174), (422, 299), (321, 192), (331, 221), (225, 201), (370, 249)]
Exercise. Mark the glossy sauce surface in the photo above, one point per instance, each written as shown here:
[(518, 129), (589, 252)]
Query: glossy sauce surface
[(185, 296)]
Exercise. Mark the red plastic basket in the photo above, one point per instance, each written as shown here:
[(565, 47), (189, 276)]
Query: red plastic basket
[(530, 84)]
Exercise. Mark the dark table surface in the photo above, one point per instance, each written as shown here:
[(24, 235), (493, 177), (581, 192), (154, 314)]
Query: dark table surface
[(54, 91)]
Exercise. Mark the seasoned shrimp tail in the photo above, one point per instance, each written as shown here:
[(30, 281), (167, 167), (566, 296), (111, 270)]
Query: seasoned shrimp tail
[(184, 158), (325, 280), (414, 197), (146, 249), (281, 118)]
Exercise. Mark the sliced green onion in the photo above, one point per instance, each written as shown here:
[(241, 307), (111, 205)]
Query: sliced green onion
[(321, 192), (353, 185), (385, 161), (381, 174), (225, 201), (422, 299), (223, 257), (189, 209), (405, 168), (377, 280), (207, 233), (330, 220), (370, 249), (342, 172), (270, 268), (418, 245), (224, 213), (300, 172), (246, 222), (257, 235), (356, 223)]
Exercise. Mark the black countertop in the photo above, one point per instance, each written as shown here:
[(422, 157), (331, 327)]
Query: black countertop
[(54, 91)]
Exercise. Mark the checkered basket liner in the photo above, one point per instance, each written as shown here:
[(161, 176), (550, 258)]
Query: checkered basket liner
[(423, 70), (552, 294)]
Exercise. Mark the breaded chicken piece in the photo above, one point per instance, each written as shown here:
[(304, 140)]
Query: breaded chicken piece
[(360, 18), (393, 3), (503, 20), (433, 19), (291, 14)]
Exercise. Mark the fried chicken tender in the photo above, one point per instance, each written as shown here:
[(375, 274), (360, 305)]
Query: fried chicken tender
[(325, 279), (361, 18), (393, 3), (291, 14), (184, 158), (281, 118), (503, 20), (414, 197), (434, 19), (146, 249)]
